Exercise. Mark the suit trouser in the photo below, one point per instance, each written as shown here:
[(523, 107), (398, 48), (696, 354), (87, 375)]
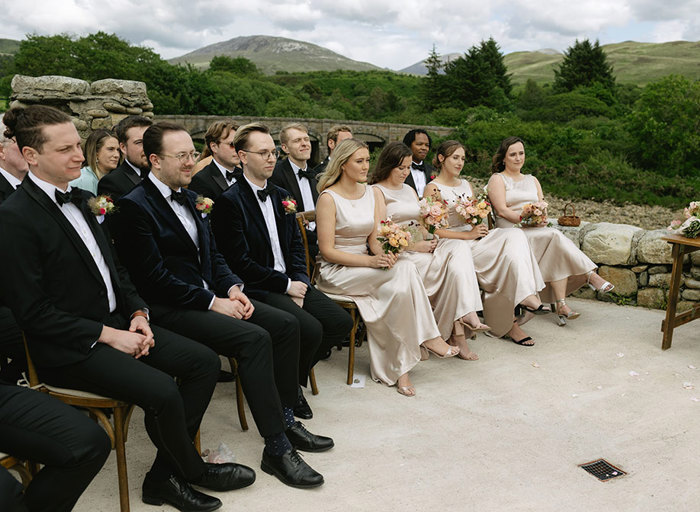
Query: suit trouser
[(172, 413), (322, 324), (11, 346), (42, 429), (266, 347)]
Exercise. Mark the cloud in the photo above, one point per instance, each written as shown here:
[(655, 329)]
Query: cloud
[(389, 33)]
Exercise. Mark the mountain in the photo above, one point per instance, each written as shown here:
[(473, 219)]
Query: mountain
[(272, 54), (8, 46), (633, 63)]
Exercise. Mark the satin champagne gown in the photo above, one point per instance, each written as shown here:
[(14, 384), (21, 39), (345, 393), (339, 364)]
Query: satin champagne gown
[(393, 303), (505, 266), (557, 256), (447, 273)]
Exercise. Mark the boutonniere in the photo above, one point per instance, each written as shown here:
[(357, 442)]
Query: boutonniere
[(290, 205), (204, 205), (101, 206)]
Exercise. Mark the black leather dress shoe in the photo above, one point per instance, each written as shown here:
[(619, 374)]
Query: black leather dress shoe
[(301, 408), (225, 477), (176, 492), (305, 441), (291, 469)]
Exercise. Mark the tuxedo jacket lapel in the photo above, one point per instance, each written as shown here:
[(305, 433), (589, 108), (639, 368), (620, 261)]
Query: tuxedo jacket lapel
[(5, 188), (219, 178), (256, 212), (54, 212), (131, 174), (292, 181)]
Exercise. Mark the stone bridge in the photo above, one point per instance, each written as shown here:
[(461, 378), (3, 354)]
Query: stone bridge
[(376, 135)]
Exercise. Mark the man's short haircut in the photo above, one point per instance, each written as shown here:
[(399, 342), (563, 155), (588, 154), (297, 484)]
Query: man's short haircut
[(411, 136), (240, 140), (153, 137), (25, 124), (217, 131), (333, 132), (130, 122), (284, 136)]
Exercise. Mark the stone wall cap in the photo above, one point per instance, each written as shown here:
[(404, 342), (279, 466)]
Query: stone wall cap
[(49, 85)]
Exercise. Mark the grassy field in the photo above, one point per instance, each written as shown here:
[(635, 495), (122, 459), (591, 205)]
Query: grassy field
[(633, 63)]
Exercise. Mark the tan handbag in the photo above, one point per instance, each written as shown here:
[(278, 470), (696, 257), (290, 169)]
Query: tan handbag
[(569, 220)]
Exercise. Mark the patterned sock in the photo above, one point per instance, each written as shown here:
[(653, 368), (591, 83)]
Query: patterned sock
[(289, 420), (277, 444)]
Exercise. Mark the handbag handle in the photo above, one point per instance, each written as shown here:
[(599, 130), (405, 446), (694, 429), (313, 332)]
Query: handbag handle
[(573, 210)]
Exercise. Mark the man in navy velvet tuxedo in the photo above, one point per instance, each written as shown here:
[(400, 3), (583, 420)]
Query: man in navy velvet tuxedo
[(261, 243), (164, 240)]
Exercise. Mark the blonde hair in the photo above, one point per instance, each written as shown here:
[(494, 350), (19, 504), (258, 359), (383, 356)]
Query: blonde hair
[(341, 154), (284, 138)]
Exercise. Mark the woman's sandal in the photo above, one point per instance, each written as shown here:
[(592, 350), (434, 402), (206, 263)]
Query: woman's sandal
[(606, 287), (571, 315), (522, 342), (542, 310), (483, 327), (451, 352)]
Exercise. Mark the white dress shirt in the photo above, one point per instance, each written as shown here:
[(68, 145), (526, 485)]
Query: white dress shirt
[(224, 170), (10, 178), (76, 219), (418, 179), (306, 195), (269, 215)]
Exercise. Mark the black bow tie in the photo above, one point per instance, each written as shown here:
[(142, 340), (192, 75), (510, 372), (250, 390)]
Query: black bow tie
[(305, 174), (418, 167), (230, 175), (74, 196), (178, 196), (264, 192)]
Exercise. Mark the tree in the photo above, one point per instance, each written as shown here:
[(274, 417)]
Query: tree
[(584, 64), (239, 66), (433, 84)]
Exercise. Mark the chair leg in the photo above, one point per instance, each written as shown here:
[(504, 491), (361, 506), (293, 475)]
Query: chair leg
[(351, 352), (120, 417), (240, 404), (198, 441), (312, 378)]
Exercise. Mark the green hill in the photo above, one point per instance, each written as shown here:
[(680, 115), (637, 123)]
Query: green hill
[(9, 46), (633, 63)]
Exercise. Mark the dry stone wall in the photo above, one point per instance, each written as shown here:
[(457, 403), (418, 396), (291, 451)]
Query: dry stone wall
[(100, 104)]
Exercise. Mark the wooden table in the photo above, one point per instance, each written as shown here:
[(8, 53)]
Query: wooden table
[(680, 247)]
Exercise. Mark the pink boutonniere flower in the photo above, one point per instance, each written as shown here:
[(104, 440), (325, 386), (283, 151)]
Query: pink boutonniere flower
[(204, 205), (290, 205)]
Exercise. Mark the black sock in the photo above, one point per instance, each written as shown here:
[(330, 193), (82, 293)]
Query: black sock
[(277, 444), (289, 420)]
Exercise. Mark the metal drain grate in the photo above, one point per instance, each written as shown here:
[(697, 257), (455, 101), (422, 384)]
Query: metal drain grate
[(602, 469)]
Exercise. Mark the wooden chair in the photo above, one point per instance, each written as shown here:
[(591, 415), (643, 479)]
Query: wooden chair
[(345, 302), (239, 394), (14, 464), (96, 406)]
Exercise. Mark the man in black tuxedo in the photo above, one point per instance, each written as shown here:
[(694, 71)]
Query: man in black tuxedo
[(422, 172), (336, 134), (129, 132), (261, 243), (68, 443), (164, 240), (293, 174), (86, 325), (221, 173), (13, 169)]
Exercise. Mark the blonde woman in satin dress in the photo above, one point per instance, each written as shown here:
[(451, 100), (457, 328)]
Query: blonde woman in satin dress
[(387, 289), (445, 265), (565, 268), (505, 267)]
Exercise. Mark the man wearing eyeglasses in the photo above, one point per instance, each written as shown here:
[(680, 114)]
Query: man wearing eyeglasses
[(221, 173), (163, 238)]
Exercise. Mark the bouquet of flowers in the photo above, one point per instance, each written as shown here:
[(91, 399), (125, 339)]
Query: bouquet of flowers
[(433, 214), (533, 214), (474, 210), (393, 237), (689, 228)]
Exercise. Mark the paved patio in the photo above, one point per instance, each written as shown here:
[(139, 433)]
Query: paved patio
[(503, 433)]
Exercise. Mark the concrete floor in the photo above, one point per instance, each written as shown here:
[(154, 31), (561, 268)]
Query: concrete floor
[(503, 433)]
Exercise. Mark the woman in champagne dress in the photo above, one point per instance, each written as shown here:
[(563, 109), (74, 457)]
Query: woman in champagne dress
[(445, 266), (387, 289), (505, 267), (564, 267)]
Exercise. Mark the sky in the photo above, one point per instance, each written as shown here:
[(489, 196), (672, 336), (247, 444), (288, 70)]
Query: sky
[(388, 33)]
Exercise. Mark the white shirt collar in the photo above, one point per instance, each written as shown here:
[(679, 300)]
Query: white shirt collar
[(254, 186), (136, 169), (296, 168), (10, 178), (47, 187), (165, 190)]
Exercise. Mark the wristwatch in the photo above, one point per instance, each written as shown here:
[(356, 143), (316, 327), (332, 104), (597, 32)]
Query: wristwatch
[(141, 312)]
